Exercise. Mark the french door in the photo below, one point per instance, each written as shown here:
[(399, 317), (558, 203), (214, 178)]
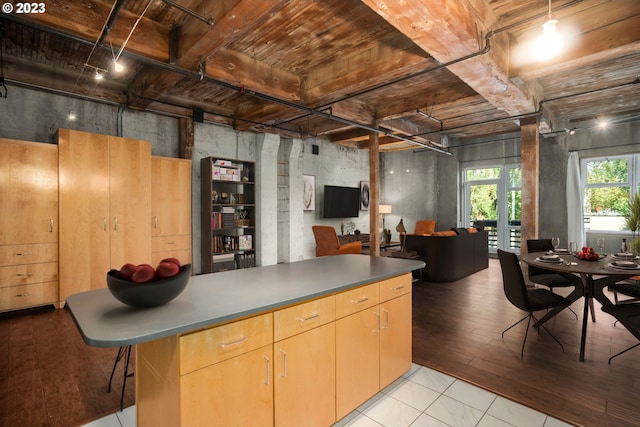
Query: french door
[(492, 198)]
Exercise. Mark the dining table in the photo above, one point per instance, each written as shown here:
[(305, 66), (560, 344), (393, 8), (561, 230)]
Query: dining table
[(589, 277)]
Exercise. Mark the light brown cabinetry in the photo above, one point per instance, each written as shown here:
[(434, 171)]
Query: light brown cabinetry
[(171, 209), (307, 364), (373, 340), (105, 206), (28, 224), (304, 364)]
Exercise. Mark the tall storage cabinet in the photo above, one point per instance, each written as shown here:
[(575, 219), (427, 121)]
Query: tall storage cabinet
[(171, 209), (105, 206), (28, 224), (228, 214)]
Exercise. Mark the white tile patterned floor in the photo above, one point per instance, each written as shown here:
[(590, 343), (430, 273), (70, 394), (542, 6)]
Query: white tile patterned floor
[(421, 398)]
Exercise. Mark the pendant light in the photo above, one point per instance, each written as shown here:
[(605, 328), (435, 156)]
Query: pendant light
[(550, 43)]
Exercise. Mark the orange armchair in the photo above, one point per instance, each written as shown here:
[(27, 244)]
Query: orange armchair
[(327, 242), (425, 227)]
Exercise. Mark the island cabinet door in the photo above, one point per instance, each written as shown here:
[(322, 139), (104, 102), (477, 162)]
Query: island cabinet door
[(304, 378), (235, 392), (395, 339)]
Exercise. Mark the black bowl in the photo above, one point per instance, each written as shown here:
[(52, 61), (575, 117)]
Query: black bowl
[(151, 294)]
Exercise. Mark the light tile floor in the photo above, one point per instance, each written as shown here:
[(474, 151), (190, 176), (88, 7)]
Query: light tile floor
[(421, 398)]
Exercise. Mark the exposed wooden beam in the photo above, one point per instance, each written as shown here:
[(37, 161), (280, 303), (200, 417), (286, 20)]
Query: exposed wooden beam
[(453, 29)]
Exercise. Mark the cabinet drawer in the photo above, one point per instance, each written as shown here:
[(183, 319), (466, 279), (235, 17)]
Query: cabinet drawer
[(184, 256), (28, 254), (216, 344), (354, 300), (394, 287), (302, 317), (15, 297), (171, 243), (26, 274)]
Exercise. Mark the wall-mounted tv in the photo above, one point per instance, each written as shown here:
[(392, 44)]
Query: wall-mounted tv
[(341, 202)]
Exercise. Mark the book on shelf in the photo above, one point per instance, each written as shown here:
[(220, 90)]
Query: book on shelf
[(230, 256), (245, 242), (246, 260)]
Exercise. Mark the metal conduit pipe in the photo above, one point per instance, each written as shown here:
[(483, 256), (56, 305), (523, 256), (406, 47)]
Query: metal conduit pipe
[(241, 89)]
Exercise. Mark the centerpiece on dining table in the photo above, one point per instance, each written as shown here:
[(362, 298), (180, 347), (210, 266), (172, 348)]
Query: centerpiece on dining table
[(588, 254)]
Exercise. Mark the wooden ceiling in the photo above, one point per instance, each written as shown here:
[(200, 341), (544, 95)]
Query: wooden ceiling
[(421, 73)]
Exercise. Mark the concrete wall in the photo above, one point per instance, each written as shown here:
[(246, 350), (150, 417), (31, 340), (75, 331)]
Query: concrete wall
[(418, 184)]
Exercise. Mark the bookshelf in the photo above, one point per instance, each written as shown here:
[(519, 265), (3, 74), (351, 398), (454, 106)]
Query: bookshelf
[(228, 214)]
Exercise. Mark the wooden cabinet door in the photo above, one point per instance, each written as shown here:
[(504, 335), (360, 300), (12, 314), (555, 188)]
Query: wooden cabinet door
[(130, 201), (235, 392), (357, 359), (304, 378), (28, 192), (395, 339), (171, 196), (84, 211)]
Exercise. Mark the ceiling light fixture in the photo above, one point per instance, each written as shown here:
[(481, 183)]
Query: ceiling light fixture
[(98, 76), (550, 43), (117, 66), (602, 123), (72, 115)]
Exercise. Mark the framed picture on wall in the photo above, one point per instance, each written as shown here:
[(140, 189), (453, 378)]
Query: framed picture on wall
[(309, 192), (364, 195)]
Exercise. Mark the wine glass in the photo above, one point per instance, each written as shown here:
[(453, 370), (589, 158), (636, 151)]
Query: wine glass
[(573, 247), (600, 243), (555, 242)]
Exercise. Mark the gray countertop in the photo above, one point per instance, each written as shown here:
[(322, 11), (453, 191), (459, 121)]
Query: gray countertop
[(210, 299)]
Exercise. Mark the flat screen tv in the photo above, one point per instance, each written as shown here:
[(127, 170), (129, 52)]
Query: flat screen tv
[(341, 202)]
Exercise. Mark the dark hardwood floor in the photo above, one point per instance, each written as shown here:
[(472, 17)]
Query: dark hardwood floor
[(50, 377), (457, 328)]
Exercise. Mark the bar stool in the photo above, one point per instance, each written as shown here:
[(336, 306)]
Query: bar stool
[(126, 353)]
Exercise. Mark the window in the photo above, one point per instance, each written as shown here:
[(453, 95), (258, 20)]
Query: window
[(608, 185)]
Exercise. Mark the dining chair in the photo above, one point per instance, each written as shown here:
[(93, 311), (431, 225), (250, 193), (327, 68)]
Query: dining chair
[(548, 278), (529, 300), (327, 242), (124, 352), (629, 316)]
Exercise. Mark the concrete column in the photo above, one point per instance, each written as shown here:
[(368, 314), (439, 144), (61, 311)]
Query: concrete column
[(530, 163), (267, 198), (290, 204), (374, 194)]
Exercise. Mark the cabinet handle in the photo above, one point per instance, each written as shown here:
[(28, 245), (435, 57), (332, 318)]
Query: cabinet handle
[(377, 331), (387, 318), (26, 294), (24, 253), (24, 274), (398, 288), (361, 300), (171, 243), (284, 359), (115, 223), (104, 223), (50, 225), (304, 319), (240, 341), (268, 381), (155, 222)]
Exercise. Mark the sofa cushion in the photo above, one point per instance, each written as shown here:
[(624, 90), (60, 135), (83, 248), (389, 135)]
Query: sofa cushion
[(445, 233), (459, 230), (472, 230)]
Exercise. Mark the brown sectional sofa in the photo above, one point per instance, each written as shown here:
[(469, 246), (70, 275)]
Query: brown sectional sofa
[(450, 257)]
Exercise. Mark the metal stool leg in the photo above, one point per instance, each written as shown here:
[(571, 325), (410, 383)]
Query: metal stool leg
[(126, 353)]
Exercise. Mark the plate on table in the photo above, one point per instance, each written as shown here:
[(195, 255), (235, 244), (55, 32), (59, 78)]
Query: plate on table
[(561, 251), (623, 265), (624, 256), (554, 259)]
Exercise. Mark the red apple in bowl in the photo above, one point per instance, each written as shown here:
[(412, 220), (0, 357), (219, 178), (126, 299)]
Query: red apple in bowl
[(166, 270), (172, 260), (144, 274), (127, 270)]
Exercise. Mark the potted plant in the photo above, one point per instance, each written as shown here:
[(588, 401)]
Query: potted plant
[(632, 222)]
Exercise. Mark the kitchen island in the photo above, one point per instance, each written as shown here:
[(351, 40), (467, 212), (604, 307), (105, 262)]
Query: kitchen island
[(290, 344)]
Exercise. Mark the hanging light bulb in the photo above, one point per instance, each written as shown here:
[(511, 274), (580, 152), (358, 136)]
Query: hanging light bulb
[(551, 42), (98, 75), (118, 67)]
